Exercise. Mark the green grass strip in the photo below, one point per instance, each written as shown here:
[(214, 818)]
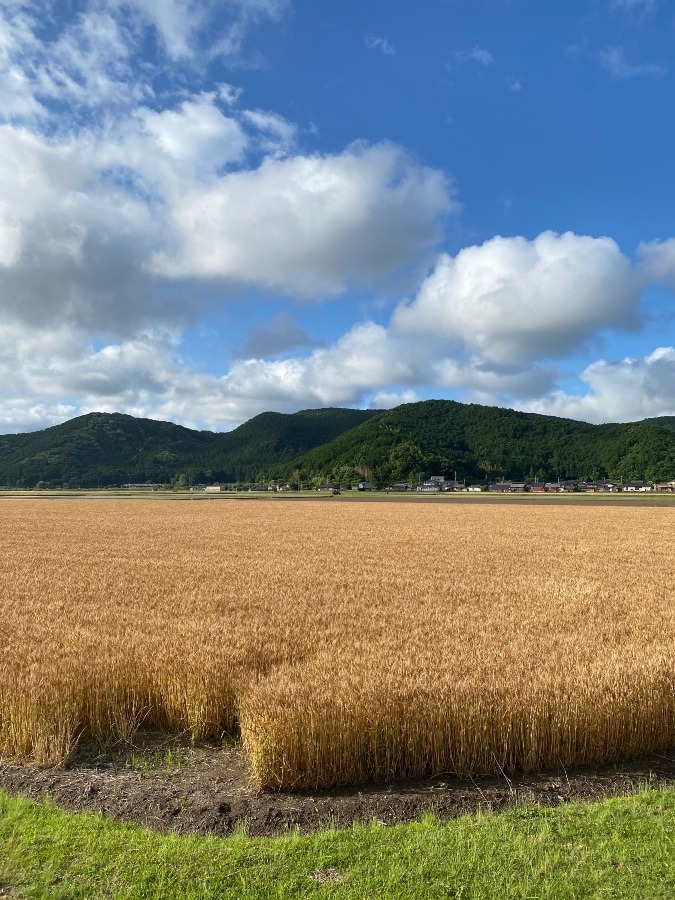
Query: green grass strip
[(619, 848)]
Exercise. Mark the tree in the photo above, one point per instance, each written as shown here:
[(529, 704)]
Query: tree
[(343, 475)]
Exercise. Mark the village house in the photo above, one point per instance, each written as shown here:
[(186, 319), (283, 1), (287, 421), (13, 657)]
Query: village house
[(501, 487), (429, 486), (453, 485), (641, 486), (328, 488)]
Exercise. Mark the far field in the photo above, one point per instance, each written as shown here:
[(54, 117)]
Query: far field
[(347, 642)]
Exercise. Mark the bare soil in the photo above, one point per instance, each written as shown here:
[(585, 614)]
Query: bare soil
[(166, 784)]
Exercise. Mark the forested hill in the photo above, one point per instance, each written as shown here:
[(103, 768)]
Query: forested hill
[(667, 422), (443, 437), (111, 448), (412, 441)]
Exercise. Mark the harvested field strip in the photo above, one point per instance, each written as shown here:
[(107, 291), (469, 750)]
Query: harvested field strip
[(349, 642)]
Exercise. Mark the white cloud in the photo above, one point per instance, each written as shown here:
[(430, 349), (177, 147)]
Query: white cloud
[(511, 300), (97, 54), (658, 262), (175, 21), (485, 383), (73, 245), (247, 13), (475, 54), (278, 135), (376, 42), (643, 7), (181, 25), (362, 360), (117, 184), (309, 225), (613, 61), (81, 218), (145, 375), (389, 399), (196, 138), (623, 391)]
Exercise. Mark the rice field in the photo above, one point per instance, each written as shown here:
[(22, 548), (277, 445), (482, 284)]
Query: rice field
[(345, 642)]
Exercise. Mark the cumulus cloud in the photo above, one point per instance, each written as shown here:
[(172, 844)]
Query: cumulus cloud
[(362, 360), (145, 375), (621, 391), (72, 246), (103, 218), (510, 300), (195, 139), (658, 262), (89, 222), (489, 384), (129, 205), (309, 225)]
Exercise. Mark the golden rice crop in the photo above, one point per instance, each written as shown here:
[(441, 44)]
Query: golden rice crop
[(347, 641)]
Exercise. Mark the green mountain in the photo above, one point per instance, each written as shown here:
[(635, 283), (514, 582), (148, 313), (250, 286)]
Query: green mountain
[(477, 442), (407, 443), (107, 449), (667, 422)]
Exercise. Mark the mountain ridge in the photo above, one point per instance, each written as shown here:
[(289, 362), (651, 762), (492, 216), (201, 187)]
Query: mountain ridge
[(407, 442), (102, 449), (470, 441)]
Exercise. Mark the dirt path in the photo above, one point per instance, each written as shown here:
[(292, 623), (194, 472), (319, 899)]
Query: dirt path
[(167, 785)]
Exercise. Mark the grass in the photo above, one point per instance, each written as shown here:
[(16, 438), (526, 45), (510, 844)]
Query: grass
[(173, 757), (620, 848)]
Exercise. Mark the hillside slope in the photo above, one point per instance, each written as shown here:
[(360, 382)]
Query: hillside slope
[(444, 437), (112, 448), (406, 443), (667, 422)]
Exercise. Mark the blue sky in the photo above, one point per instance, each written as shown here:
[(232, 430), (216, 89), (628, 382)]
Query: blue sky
[(211, 209)]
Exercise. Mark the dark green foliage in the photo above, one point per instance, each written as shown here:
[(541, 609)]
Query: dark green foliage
[(101, 449), (667, 422), (407, 443), (477, 442)]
